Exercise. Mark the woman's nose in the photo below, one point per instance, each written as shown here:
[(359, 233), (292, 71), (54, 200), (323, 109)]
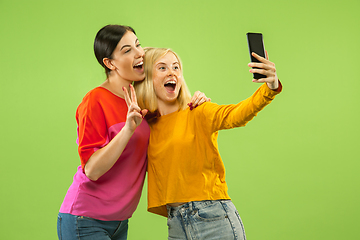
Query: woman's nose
[(140, 53), (170, 72)]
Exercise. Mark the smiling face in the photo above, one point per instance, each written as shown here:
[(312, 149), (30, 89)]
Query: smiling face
[(167, 79), (127, 58)]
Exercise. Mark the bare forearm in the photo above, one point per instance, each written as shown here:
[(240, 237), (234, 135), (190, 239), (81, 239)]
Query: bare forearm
[(103, 159)]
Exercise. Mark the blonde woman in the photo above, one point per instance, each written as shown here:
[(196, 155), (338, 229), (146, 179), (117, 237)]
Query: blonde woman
[(186, 175)]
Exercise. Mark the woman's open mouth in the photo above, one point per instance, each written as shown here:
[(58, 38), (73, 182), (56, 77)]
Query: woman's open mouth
[(170, 86), (139, 67)]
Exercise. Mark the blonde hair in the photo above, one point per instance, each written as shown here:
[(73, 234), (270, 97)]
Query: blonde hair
[(145, 91)]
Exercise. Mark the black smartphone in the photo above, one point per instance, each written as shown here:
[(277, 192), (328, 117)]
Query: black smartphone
[(256, 44)]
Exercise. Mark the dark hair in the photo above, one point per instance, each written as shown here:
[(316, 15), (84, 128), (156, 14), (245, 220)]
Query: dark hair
[(106, 41)]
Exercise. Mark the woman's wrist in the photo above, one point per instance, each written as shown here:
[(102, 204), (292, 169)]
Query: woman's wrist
[(274, 85)]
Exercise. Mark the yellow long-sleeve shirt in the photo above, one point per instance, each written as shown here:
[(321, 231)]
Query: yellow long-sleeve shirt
[(184, 163)]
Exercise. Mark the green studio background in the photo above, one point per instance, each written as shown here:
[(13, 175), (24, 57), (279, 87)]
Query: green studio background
[(292, 172)]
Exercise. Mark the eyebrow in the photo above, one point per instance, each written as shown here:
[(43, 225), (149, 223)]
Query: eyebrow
[(136, 40), (159, 63)]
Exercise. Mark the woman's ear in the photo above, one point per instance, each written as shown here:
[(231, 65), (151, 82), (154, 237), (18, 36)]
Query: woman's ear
[(108, 63)]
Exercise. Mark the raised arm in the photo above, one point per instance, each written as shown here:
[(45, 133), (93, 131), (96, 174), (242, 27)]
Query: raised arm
[(103, 159), (237, 115)]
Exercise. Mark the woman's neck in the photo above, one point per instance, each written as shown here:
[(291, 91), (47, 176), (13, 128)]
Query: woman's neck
[(115, 85), (167, 108)]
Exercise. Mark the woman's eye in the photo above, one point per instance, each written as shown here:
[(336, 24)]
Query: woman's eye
[(128, 50)]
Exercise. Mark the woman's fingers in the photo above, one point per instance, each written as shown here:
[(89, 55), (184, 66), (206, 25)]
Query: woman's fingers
[(265, 67), (262, 80), (267, 72), (196, 94), (261, 59), (133, 94), (144, 112), (267, 56), (264, 63), (136, 116), (198, 99), (129, 100), (127, 97), (258, 57), (201, 101), (134, 108), (268, 66), (195, 99)]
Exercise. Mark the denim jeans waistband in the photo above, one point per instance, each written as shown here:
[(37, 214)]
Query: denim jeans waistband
[(191, 206)]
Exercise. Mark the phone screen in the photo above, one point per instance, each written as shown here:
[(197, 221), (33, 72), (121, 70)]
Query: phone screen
[(256, 44)]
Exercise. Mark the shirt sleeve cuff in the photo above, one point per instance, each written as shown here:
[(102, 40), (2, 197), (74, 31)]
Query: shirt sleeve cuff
[(279, 89)]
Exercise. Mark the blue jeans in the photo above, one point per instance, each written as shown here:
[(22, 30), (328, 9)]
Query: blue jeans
[(210, 219), (71, 227)]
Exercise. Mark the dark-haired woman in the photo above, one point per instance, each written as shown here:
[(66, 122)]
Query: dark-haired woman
[(112, 141)]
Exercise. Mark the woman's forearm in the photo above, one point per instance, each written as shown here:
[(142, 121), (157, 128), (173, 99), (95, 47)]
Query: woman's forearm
[(103, 159)]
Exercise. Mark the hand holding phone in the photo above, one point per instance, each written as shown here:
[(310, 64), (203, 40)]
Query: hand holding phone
[(256, 44)]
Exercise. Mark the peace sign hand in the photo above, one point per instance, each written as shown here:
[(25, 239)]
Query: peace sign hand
[(135, 115)]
